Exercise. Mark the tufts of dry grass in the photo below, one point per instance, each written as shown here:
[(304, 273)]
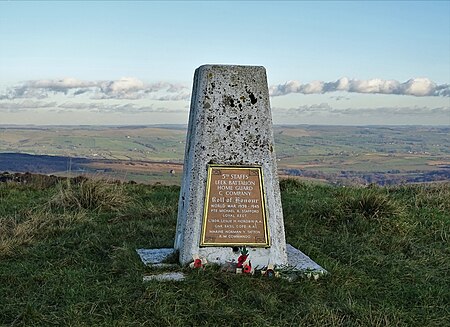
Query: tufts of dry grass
[(386, 267), (90, 194), (371, 204), (433, 195), (33, 226)]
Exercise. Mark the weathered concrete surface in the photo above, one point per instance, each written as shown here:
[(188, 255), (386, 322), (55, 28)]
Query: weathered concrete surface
[(155, 257), (230, 123), (300, 261), (297, 260)]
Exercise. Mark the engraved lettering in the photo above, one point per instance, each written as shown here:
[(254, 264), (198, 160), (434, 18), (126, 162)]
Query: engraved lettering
[(235, 210)]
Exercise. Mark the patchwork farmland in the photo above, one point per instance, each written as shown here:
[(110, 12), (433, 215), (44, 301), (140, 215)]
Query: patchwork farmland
[(154, 154)]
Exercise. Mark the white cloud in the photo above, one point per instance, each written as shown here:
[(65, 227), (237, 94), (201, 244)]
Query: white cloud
[(96, 106), (416, 87), (181, 96), (129, 88), (128, 108), (325, 108), (25, 105), (124, 88), (61, 85)]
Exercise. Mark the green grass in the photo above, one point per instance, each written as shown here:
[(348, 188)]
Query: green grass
[(386, 250)]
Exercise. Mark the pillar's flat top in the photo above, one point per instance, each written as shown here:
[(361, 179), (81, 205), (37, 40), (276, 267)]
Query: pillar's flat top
[(229, 67)]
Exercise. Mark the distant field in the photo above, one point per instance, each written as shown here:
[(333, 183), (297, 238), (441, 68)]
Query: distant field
[(125, 143), (376, 154)]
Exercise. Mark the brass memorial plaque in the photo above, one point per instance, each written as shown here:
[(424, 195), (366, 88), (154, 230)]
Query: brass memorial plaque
[(235, 210)]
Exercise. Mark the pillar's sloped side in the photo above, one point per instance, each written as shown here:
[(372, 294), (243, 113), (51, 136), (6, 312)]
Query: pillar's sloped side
[(230, 123)]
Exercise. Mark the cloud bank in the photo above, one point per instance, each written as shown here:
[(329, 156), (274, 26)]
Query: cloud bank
[(131, 88), (325, 108), (418, 87), (99, 107), (124, 88), (302, 110)]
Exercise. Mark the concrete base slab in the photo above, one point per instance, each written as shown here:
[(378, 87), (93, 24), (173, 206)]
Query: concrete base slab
[(299, 261), (299, 264), (156, 257)]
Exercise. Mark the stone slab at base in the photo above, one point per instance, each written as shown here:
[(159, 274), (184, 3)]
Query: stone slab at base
[(155, 257), (300, 261), (297, 260)]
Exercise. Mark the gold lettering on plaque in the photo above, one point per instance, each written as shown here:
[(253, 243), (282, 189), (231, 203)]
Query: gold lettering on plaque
[(235, 207)]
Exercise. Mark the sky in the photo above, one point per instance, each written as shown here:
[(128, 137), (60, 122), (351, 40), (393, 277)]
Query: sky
[(132, 63)]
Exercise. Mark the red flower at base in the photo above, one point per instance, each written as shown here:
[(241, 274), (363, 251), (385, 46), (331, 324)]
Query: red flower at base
[(247, 268), (197, 263), (241, 260)]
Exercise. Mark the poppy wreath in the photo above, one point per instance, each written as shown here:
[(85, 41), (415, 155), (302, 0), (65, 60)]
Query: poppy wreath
[(242, 258)]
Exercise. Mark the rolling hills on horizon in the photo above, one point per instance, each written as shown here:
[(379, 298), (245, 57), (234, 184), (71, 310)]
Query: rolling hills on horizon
[(337, 154)]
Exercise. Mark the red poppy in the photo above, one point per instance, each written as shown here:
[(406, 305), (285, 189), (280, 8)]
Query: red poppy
[(197, 263), (247, 269)]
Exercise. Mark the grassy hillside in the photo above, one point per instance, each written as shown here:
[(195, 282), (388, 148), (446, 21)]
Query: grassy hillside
[(67, 258)]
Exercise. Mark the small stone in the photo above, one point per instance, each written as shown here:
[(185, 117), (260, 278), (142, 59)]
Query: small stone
[(170, 276)]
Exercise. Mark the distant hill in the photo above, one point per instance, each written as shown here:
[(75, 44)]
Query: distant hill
[(20, 162), (148, 154)]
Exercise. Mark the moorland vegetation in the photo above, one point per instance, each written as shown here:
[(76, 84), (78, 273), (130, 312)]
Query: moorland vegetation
[(67, 258)]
